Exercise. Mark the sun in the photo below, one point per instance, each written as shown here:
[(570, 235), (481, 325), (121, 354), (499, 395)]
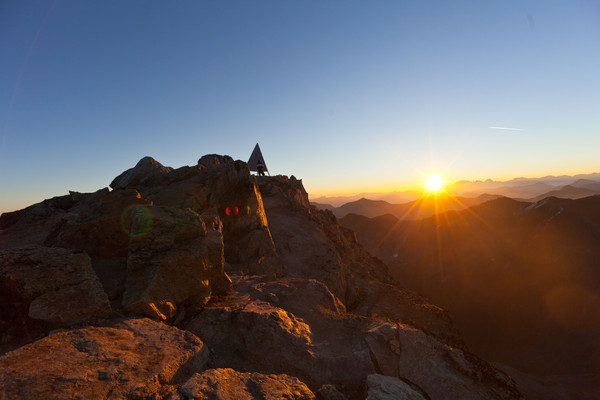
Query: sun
[(434, 183)]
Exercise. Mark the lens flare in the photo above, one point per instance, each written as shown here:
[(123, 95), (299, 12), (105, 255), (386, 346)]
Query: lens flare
[(136, 220)]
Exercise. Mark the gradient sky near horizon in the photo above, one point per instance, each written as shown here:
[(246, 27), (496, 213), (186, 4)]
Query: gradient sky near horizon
[(350, 96)]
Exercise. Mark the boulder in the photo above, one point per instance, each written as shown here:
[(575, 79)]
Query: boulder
[(210, 160), (98, 224), (227, 384), (91, 222), (146, 172), (253, 335), (134, 359), (306, 298), (173, 260), (283, 192), (383, 387), (388, 300), (263, 326), (34, 224), (58, 285)]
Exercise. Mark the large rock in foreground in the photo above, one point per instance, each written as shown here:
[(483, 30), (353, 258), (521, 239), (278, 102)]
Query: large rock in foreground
[(134, 359), (253, 335), (58, 285)]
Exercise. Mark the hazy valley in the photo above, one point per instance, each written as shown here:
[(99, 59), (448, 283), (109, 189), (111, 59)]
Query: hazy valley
[(520, 278)]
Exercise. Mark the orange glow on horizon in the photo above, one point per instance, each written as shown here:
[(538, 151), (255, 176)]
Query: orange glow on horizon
[(416, 183)]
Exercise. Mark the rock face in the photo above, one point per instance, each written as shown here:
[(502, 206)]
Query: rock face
[(146, 172), (134, 359), (173, 260), (382, 387), (275, 298), (406, 352), (252, 334), (58, 285)]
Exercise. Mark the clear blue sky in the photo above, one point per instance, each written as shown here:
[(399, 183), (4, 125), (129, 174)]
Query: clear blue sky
[(347, 95)]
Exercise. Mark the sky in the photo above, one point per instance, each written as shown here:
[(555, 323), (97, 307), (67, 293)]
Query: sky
[(349, 96)]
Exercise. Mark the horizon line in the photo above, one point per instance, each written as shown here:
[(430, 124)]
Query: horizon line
[(412, 188)]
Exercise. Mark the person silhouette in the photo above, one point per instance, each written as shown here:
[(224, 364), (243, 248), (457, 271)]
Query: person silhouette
[(260, 168)]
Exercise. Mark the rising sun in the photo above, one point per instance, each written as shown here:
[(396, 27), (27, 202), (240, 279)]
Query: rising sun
[(434, 183)]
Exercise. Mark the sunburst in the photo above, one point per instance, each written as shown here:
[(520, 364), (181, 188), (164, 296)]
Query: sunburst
[(434, 183)]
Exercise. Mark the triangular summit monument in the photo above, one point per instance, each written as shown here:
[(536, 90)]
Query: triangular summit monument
[(254, 158)]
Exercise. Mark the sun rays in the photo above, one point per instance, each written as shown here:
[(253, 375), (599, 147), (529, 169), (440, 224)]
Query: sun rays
[(444, 209)]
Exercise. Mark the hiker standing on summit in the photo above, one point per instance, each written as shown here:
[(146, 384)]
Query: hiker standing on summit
[(260, 168)]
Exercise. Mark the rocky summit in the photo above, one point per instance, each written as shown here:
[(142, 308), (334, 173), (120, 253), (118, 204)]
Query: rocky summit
[(206, 282)]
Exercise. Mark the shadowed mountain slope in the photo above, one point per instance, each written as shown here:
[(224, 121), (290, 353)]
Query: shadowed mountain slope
[(568, 192), (426, 206), (522, 280)]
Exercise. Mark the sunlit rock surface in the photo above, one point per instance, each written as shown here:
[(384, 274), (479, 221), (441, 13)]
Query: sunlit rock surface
[(134, 359), (226, 384)]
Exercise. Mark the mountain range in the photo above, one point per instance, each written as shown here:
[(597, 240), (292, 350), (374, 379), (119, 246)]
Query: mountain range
[(429, 204), (425, 206), (394, 197), (518, 188), (521, 280)]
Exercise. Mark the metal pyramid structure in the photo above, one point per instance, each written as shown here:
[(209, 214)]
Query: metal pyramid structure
[(254, 157)]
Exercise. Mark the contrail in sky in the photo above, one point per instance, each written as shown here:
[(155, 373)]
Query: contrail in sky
[(503, 128), (20, 76)]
